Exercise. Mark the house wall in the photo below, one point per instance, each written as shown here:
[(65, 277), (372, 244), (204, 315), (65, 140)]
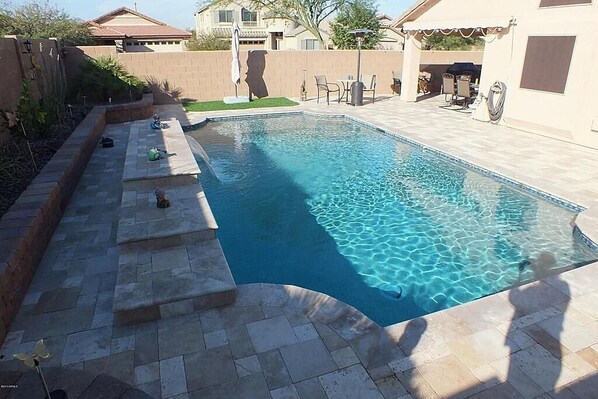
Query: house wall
[(570, 116), (126, 19), (205, 75), (205, 20)]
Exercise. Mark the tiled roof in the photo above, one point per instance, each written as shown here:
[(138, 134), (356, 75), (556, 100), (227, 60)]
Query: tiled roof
[(160, 29), (139, 31), (228, 32)]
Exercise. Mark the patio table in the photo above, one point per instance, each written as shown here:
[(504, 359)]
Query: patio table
[(346, 88)]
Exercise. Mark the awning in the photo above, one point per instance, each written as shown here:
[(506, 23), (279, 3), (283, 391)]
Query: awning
[(482, 23)]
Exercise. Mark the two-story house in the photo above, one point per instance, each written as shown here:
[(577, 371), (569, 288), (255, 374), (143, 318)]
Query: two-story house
[(259, 31)]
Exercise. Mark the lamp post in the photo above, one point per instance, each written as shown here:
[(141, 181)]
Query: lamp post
[(357, 87)]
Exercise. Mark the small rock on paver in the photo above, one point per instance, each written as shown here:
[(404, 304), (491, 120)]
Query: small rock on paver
[(271, 333), (307, 359), (87, 345), (247, 366), (172, 377), (350, 383)]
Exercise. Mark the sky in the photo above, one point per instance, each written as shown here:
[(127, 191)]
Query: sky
[(178, 13)]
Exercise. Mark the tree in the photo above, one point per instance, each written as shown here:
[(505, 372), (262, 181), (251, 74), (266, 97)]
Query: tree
[(356, 15), (442, 42), (307, 13), (207, 42), (41, 20)]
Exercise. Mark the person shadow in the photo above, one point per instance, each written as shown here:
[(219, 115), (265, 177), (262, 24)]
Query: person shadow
[(256, 64), (535, 364)]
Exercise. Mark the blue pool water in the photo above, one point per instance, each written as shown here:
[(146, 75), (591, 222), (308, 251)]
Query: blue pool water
[(334, 206)]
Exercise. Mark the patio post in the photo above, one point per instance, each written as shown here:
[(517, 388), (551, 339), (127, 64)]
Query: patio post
[(411, 61)]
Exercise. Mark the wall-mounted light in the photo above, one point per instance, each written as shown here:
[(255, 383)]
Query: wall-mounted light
[(27, 43)]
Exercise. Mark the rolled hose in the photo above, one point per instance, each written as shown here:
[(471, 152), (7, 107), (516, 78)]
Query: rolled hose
[(495, 111)]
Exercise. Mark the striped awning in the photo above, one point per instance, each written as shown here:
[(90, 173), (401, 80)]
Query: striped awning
[(228, 32), (481, 23)]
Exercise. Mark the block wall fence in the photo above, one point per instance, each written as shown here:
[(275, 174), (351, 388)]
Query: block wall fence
[(206, 75)]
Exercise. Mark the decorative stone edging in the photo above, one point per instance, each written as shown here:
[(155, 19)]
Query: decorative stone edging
[(28, 226)]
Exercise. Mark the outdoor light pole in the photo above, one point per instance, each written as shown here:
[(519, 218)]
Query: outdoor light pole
[(357, 87)]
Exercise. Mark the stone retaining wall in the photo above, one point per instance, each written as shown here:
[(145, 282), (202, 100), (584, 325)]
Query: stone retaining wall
[(27, 227)]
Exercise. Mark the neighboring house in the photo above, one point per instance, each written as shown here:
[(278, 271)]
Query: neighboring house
[(543, 50), (258, 30), (393, 38), (131, 31)]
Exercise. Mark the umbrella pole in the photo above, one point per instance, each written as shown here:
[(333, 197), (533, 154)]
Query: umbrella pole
[(236, 90)]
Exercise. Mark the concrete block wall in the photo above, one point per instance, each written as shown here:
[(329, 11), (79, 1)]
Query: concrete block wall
[(205, 75)]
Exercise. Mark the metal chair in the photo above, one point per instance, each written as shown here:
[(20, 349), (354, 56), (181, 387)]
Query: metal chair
[(448, 88), (464, 89), (322, 84), (369, 84)]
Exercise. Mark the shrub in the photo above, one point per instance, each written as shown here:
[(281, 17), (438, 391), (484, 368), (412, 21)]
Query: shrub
[(207, 42), (106, 78)]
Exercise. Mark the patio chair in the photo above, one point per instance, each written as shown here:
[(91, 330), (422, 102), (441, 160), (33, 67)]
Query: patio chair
[(464, 89), (369, 84), (448, 88), (396, 82), (322, 84)]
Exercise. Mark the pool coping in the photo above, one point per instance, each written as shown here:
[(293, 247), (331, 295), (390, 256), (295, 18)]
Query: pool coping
[(589, 240)]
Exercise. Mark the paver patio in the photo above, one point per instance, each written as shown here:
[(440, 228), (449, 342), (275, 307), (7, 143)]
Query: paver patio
[(538, 340)]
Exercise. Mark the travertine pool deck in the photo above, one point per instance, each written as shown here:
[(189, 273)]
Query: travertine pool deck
[(535, 341)]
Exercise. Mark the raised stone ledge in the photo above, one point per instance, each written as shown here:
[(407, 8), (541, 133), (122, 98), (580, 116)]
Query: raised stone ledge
[(179, 160), (27, 227)]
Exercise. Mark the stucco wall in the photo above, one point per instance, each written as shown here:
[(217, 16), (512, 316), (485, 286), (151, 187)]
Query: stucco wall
[(567, 116), (206, 75)]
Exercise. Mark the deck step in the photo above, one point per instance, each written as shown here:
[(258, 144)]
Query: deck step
[(171, 281)]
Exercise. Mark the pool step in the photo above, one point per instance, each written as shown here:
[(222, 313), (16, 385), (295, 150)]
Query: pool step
[(171, 281), (170, 260)]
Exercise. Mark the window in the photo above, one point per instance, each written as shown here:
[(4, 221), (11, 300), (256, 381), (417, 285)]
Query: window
[(554, 3), (248, 17), (225, 16), (310, 44), (546, 64)]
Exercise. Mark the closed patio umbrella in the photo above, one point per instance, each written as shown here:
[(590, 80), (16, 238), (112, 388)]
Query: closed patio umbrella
[(236, 64)]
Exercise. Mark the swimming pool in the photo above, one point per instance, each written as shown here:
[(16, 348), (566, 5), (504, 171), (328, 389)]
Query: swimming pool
[(335, 206)]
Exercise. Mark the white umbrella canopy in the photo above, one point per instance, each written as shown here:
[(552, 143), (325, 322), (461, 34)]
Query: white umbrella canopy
[(236, 64)]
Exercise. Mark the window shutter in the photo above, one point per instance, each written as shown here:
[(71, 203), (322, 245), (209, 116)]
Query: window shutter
[(303, 44), (316, 45), (216, 16)]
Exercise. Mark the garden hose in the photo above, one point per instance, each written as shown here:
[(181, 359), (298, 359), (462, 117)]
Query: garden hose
[(495, 111)]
